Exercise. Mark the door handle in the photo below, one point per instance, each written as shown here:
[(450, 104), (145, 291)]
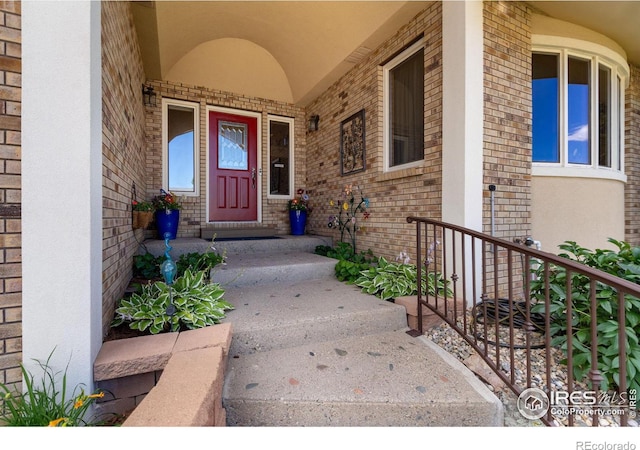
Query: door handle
[(253, 177)]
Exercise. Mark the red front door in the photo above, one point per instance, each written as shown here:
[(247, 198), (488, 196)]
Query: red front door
[(233, 176)]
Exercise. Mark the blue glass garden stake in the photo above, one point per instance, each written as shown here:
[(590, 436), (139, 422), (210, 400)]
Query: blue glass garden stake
[(168, 270)]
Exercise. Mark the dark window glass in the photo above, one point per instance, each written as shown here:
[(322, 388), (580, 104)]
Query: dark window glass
[(406, 84)]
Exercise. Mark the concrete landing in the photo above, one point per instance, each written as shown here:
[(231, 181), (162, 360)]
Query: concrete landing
[(386, 379)]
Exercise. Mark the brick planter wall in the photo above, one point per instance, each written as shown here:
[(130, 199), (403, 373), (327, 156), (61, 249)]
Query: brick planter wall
[(169, 379)]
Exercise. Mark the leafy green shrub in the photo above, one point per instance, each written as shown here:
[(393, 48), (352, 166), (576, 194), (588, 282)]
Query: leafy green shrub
[(389, 280), (190, 302), (624, 263), (147, 266), (349, 271), (344, 251), (196, 262), (46, 403), (350, 263)]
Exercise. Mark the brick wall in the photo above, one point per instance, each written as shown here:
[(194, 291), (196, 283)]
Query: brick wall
[(507, 116), (10, 210), (396, 195), (632, 158), (193, 214), (123, 148), (507, 132)]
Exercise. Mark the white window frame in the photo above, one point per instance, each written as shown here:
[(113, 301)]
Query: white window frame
[(386, 114), (292, 171), (597, 55), (166, 102)]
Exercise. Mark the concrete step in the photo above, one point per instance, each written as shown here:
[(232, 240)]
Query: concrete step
[(239, 246), (268, 268), (384, 379), (289, 314)]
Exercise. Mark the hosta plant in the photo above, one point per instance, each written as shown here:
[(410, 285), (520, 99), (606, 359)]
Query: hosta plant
[(389, 280), (623, 263), (191, 302)]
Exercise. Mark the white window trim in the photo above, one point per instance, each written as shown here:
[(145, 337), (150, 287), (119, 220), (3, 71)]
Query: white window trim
[(292, 171), (166, 102), (386, 69), (597, 55)]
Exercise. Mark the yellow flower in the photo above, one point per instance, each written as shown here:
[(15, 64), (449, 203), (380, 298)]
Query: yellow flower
[(79, 402), (55, 423), (99, 395), (331, 203), (345, 206)]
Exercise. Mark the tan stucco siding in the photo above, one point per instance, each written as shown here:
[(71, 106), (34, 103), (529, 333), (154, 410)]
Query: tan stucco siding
[(588, 211)]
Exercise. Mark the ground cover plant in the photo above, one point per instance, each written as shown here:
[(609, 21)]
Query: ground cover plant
[(624, 263), (390, 280), (190, 302), (350, 263)]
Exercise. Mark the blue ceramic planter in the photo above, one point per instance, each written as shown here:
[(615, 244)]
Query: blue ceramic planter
[(298, 221), (167, 221)]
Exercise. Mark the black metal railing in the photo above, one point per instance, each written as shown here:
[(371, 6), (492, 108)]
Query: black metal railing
[(502, 298)]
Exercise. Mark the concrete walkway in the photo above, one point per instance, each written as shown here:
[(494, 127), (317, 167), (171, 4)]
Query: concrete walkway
[(308, 350)]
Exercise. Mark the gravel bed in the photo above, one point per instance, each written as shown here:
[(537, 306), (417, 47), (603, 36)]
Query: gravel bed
[(445, 337)]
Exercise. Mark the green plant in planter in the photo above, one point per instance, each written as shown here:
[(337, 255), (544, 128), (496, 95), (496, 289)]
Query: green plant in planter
[(191, 302), (389, 280)]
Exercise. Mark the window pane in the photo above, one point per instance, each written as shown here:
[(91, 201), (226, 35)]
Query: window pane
[(181, 148), (406, 87), (232, 146), (578, 109), (280, 155), (545, 108), (604, 136)]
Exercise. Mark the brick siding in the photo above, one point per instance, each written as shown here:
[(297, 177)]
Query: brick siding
[(193, 213), (10, 181), (507, 116), (123, 148), (507, 127), (632, 158), (393, 195)]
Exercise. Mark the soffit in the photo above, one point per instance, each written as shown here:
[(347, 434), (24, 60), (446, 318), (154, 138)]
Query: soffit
[(618, 20), (315, 42)]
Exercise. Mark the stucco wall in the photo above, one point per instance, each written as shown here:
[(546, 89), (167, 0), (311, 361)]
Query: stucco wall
[(585, 210), (123, 149)]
